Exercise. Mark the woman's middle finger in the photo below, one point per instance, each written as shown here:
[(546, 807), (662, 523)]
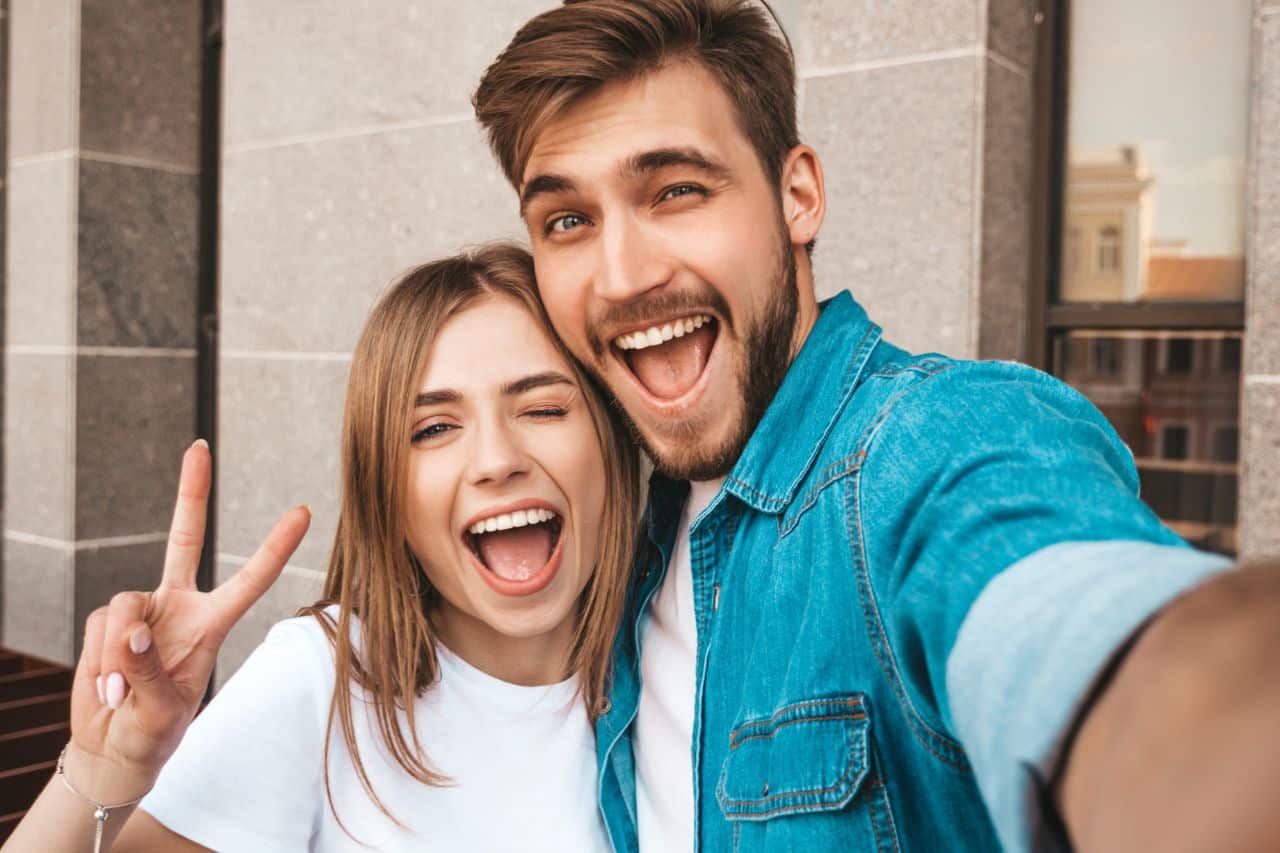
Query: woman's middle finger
[(125, 611)]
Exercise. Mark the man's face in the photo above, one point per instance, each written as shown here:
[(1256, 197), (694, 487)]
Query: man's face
[(665, 262)]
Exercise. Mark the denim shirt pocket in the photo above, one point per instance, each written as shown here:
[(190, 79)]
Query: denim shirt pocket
[(809, 758)]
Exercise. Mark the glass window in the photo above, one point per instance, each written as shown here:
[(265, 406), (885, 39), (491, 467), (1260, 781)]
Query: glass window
[(1157, 145), (1144, 308)]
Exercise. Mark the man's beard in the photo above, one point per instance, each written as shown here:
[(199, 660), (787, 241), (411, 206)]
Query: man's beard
[(768, 347)]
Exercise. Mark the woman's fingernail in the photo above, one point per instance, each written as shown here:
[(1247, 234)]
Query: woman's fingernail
[(102, 697), (201, 443), (140, 639), (115, 691)]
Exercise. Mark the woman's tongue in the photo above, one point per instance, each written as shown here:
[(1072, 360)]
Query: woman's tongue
[(670, 369), (516, 554)]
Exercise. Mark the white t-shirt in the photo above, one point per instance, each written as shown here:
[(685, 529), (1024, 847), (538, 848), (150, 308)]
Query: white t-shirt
[(663, 736), (248, 776)]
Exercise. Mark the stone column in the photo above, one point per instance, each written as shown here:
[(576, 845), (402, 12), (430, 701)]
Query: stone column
[(1260, 451), (99, 381), (921, 113), (350, 153)]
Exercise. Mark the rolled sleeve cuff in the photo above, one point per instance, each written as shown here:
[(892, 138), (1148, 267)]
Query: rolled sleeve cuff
[(1030, 650)]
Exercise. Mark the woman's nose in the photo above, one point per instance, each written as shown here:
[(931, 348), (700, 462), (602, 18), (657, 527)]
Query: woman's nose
[(497, 456)]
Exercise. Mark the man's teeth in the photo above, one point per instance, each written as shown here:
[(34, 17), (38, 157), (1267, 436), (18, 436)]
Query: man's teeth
[(655, 335), (508, 520)]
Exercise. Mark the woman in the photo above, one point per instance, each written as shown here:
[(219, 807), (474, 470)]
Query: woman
[(441, 695)]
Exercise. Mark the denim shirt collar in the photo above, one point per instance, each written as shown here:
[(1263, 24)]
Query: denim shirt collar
[(814, 392)]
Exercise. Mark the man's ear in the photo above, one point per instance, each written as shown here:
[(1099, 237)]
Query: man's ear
[(804, 197)]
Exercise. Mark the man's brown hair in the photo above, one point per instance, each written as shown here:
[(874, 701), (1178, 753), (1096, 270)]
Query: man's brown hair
[(568, 52)]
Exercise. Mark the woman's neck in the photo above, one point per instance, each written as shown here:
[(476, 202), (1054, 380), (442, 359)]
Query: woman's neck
[(527, 661)]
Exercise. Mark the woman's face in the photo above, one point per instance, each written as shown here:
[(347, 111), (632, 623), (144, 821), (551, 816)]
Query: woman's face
[(506, 488)]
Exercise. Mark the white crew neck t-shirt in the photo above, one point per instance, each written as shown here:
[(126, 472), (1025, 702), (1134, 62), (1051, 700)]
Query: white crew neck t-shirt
[(248, 775), (663, 737)]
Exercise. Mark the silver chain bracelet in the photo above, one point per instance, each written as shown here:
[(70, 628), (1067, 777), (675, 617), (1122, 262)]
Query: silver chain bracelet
[(100, 811)]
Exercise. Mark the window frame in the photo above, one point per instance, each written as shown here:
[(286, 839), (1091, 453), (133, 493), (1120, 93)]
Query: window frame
[(1049, 318)]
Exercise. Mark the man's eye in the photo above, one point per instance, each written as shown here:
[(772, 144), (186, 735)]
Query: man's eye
[(681, 190), (432, 431), (565, 223)]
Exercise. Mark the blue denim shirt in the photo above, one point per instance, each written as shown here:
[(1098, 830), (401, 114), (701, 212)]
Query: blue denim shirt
[(904, 590)]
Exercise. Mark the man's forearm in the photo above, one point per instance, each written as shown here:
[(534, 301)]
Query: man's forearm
[(1181, 751)]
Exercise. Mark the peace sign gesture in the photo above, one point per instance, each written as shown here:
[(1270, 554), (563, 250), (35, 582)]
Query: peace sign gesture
[(148, 655)]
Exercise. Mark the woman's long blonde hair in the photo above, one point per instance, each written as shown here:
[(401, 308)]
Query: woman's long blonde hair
[(374, 576)]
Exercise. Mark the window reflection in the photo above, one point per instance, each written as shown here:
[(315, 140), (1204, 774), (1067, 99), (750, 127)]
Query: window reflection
[(1174, 399), (1158, 134)]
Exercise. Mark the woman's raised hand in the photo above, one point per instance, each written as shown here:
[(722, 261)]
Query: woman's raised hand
[(148, 655)]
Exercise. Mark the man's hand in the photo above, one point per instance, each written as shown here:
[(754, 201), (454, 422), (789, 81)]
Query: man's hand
[(1181, 752)]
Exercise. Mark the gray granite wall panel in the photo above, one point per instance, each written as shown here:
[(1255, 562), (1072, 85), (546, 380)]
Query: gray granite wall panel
[(838, 32), (42, 65), (1260, 480), (1003, 281), (136, 416), (37, 601), (40, 259), (1262, 343), (138, 239), (140, 69), (278, 440), (102, 572), (1011, 30), (898, 150), (294, 589), (303, 69), (39, 414), (313, 233)]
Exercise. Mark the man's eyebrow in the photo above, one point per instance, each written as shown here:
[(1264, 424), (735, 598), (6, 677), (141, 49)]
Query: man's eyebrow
[(536, 380), (647, 162), (435, 398), (544, 184)]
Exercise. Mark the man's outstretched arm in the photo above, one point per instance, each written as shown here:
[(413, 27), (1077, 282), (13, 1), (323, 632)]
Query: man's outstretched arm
[(1181, 749)]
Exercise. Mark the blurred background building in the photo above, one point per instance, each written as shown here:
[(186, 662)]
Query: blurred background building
[(203, 198)]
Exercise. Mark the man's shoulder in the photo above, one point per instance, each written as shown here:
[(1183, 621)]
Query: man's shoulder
[(940, 397)]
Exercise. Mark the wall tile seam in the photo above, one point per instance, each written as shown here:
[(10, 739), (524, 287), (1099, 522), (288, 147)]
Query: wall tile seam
[(45, 157), (73, 546), (345, 133), (818, 72), (976, 223), (73, 309), (99, 351), (289, 569), (138, 162), (283, 355)]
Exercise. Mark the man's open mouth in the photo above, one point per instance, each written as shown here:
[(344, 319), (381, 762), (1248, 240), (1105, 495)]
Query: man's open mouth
[(515, 546), (668, 359)]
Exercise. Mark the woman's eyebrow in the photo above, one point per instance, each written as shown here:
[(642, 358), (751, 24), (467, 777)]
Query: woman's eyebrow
[(435, 398), (536, 380)]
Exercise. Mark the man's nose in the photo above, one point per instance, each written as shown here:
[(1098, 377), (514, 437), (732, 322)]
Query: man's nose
[(632, 261), (496, 456)]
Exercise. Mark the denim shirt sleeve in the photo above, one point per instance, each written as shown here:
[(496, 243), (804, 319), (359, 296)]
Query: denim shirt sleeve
[(981, 467)]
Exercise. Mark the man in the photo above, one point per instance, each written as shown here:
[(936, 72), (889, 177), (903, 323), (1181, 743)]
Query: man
[(901, 602)]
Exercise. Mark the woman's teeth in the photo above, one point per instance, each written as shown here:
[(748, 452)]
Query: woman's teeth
[(508, 520), (655, 335)]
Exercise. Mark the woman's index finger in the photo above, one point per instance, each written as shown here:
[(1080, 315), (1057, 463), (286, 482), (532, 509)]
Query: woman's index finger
[(186, 533)]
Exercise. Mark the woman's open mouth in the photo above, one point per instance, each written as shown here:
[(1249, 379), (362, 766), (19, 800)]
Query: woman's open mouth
[(518, 551), (667, 360)]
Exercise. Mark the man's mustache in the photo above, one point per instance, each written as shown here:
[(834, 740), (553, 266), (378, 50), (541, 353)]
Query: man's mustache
[(650, 310)]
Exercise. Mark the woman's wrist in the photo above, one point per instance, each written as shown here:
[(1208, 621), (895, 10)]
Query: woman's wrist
[(103, 780)]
